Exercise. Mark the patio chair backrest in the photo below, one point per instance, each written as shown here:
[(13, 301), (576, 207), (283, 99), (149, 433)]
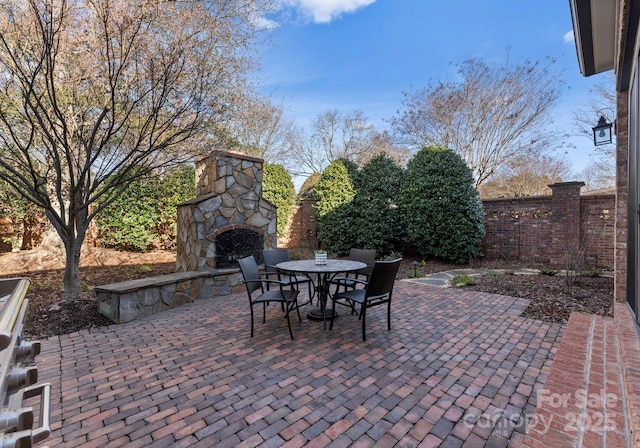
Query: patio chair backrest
[(250, 271), (367, 256), (272, 257), (382, 278)]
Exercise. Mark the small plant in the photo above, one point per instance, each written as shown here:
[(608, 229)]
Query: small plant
[(593, 272), (143, 268), (15, 242), (461, 280), (548, 271), (392, 256), (416, 274), (491, 274)]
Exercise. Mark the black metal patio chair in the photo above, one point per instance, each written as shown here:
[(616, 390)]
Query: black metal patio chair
[(378, 290), (367, 256), (285, 293), (274, 256)]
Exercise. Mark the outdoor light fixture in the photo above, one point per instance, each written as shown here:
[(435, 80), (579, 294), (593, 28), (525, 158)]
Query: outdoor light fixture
[(602, 132), (415, 268)]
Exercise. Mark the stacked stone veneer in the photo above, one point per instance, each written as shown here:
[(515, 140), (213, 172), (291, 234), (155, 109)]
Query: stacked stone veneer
[(228, 196), (126, 301)]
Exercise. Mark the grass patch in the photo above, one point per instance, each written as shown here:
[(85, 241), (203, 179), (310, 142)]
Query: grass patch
[(143, 268), (461, 280)]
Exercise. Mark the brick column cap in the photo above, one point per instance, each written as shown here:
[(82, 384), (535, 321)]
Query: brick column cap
[(567, 185)]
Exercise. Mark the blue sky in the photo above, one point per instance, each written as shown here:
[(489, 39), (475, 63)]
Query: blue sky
[(362, 54)]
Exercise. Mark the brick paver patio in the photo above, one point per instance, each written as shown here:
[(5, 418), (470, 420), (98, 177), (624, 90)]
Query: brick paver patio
[(458, 368)]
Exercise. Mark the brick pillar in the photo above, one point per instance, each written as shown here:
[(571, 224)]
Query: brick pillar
[(565, 221)]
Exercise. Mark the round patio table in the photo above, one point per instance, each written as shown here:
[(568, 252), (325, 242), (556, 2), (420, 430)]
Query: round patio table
[(324, 274)]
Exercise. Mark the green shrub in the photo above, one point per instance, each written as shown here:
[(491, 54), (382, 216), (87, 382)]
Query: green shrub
[(308, 188), (374, 210), (145, 214), (128, 222), (461, 280), (442, 212), (175, 188), (548, 271), (278, 188), (334, 190), (359, 208)]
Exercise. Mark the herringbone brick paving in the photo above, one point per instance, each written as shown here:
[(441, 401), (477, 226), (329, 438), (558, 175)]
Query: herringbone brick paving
[(458, 368)]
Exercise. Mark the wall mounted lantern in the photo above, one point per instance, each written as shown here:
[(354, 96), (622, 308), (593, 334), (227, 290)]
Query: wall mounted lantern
[(602, 132)]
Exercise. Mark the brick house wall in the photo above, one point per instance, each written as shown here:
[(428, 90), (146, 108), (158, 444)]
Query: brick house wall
[(622, 197)]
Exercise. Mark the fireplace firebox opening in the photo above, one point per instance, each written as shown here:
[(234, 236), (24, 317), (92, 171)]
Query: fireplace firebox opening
[(238, 243)]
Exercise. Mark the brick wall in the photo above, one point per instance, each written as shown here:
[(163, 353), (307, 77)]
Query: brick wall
[(545, 229), (541, 229), (302, 227), (518, 229)]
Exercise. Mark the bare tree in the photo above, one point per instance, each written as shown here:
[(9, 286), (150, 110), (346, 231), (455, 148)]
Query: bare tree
[(94, 93), (334, 136), (261, 128), (491, 115), (526, 175), (598, 175), (382, 143)]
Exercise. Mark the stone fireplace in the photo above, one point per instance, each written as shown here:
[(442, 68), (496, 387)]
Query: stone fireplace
[(228, 219)]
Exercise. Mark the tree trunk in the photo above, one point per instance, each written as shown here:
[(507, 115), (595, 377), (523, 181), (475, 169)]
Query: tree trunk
[(66, 243), (71, 280)]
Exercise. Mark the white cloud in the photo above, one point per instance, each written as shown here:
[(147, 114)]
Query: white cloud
[(324, 11), (568, 37)]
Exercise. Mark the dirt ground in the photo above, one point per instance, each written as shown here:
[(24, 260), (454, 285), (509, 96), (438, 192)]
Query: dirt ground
[(551, 298)]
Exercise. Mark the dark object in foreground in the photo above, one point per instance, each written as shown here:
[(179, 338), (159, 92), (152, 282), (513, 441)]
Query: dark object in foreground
[(18, 375)]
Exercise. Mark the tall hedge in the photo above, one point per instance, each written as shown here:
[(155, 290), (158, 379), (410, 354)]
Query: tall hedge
[(145, 214), (308, 188), (442, 212), (334, 190), (129, 222), (278, 188), (374, 209), (173, 189)]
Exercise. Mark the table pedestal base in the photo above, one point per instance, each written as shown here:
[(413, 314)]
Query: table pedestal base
[(316, 314)]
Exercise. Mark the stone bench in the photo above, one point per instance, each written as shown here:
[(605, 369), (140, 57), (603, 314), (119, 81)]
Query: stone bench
[(129, 300)]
